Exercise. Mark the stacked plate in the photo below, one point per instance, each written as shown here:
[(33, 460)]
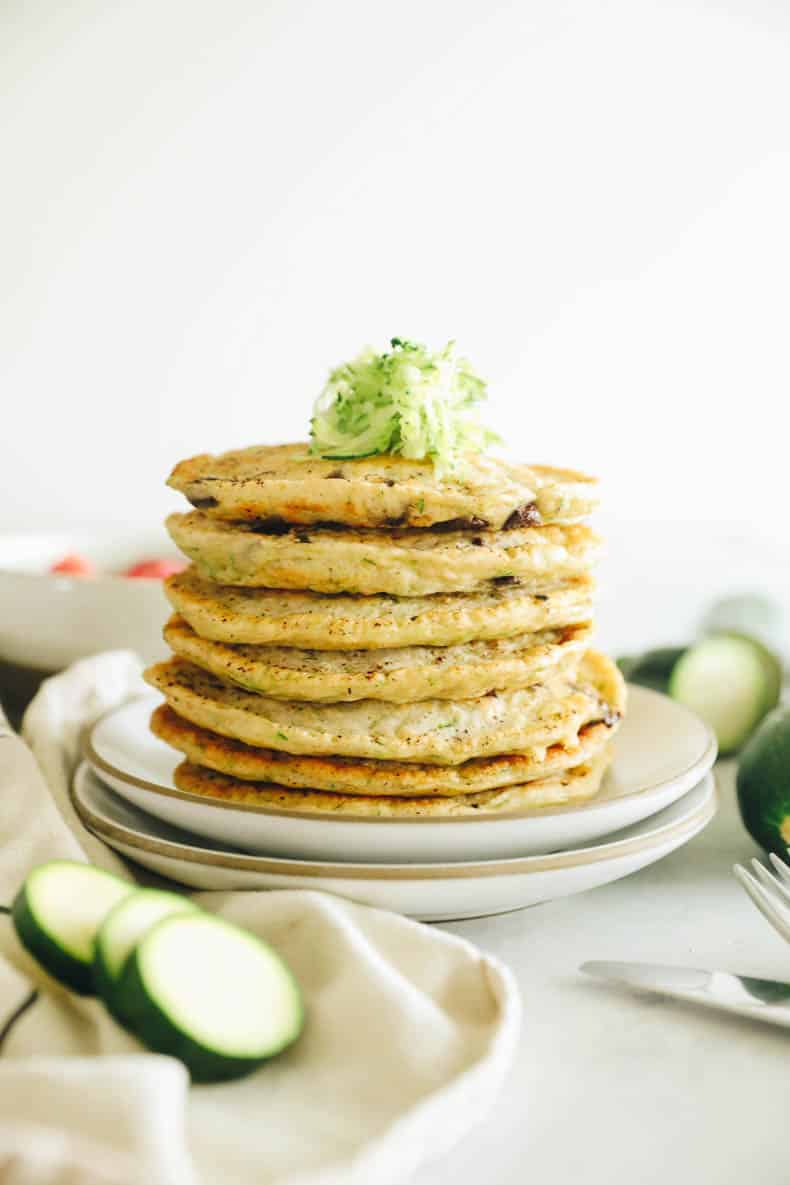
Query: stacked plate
[(657, 795), (382, 685)]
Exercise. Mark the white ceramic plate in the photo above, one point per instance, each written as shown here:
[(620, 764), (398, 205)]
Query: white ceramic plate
[(662, 750), (430, 892)]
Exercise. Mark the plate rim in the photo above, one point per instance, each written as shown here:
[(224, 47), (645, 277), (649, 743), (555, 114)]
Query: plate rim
[(701, 764), (395, 871)]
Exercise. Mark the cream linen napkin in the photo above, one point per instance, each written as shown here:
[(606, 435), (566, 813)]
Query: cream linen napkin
[(409, 1035)]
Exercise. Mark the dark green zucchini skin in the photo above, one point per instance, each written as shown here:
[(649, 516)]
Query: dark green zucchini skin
[(763, 783), (105, 983), (653, 668), (39, 934), (158, 1032), (106, 989), (58, 963)]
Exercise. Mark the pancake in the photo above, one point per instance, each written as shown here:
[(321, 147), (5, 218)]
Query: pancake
[(402, 563), (437, 731), (346, 775), (308, 620), (285, 484), (402, 675), (572, 785)]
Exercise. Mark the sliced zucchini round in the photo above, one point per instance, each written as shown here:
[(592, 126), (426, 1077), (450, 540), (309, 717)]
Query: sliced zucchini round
[(120, 932), (732, 682), (202, 990), (57, 912)]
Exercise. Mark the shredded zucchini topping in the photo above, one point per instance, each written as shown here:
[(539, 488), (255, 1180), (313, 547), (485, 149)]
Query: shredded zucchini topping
[(408, 401)]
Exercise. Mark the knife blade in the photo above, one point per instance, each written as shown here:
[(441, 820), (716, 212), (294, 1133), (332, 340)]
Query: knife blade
[(745, 995)]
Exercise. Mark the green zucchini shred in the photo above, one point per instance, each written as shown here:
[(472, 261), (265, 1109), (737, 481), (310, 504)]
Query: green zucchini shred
[(408, 401)]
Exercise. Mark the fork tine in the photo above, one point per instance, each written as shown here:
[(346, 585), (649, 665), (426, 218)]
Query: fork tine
[(766, 904), (781, 867), (771, 883)]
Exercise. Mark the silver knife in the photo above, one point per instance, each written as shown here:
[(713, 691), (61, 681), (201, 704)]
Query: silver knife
[(760, 999)]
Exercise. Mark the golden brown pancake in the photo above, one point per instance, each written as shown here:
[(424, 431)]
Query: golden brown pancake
[(403, 563), (265, 616), (402, 675), (284, 484), (440, 732), (348, 775), (572, 785)]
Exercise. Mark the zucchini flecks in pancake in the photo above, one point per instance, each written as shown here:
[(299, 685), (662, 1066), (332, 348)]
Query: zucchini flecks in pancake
[(437, 731), (284, 482), (399, 562), (401, 675), (571, 785), (310, 620), (348, 775)]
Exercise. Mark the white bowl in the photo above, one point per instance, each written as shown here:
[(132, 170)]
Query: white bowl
[(47, 621)]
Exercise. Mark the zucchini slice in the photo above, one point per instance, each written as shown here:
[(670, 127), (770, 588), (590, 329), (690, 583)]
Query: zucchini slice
[(202, 990), (57, 912), (122, 929), (732, 682)]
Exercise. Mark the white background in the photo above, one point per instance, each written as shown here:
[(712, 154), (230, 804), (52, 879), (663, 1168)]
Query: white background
[(205, 205)]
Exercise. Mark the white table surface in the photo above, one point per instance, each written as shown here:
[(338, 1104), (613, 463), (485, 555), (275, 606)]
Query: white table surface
[(614, 1088)]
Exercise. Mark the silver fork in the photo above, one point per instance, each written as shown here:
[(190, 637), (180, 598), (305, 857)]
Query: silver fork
[(770, 893)]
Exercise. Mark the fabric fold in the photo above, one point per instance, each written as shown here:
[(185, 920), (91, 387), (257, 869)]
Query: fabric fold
[(410, 1030)]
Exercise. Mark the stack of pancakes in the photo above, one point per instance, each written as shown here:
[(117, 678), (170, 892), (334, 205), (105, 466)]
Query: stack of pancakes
[(362, 637)]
